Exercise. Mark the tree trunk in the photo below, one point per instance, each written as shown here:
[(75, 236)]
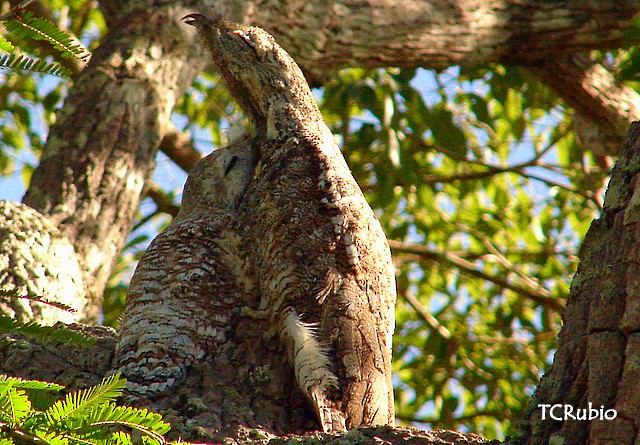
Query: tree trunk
[(224, 401), (38, 263), (599, 346), (102, 149)]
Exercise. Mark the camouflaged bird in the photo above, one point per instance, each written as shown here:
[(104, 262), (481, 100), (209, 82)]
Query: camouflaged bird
[(321, 260), (187, 288)]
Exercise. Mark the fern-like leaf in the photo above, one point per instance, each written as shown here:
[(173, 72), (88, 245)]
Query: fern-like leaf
[(17, 382), (143, 420), (108, 416), (43, 300), (8, 295), (95, 426), (121, 438), (14, 404), (52, 438), (29, 27), (5, 45), (44, 333), (23, 63), (80, 403), (88, 417)]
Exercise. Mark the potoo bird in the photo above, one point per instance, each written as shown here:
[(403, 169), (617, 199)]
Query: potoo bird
[(187, 287), (320, 256)]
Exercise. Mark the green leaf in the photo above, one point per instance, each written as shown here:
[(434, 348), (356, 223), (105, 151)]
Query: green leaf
[(80, 403), (5, 45), (480, 108), (19, 63), (121, 438), (14, 404), (43, 333), (28, 26), (17, 382), (109, 414), (53, 438), (446, 133)]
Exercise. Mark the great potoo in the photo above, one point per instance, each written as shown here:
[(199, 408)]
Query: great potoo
[(320, 257), (188, 285)]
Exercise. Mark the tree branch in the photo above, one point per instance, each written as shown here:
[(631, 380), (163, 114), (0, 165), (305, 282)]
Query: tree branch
[(539, 295), (426, 315), (102, 149), (163, 202), (593, 91), (436, 34), (179, 148)]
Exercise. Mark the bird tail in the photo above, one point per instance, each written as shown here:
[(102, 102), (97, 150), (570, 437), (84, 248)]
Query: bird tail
[(312, 369)]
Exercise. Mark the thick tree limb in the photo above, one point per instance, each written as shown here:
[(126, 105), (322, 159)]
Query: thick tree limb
[(326, 36), (592, 90), (77, 367), (604, 108), (48, 270), (595, 94)]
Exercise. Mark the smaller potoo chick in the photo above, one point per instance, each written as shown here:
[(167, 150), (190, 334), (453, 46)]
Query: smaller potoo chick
[(188, 285), (220, 179)]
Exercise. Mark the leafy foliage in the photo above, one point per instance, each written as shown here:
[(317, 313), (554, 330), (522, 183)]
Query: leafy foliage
[(24, 25), (27, 26), (57, 333), (27, 106), (23, 63), (88, 416), (482, 188), (43, 333)]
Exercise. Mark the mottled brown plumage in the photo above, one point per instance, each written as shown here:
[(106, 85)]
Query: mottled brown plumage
[(321, 259), (187, 289)]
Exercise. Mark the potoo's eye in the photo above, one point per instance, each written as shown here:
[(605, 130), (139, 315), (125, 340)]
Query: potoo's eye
[(232, 162)]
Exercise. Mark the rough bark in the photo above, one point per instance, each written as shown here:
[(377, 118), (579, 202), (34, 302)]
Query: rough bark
[(604, 104), (37, 262), (603, 108), (599, 346), (593, 91), (326, 36), (101, 151)]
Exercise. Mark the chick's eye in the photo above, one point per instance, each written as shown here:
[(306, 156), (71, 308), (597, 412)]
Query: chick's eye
[(232, 162)]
